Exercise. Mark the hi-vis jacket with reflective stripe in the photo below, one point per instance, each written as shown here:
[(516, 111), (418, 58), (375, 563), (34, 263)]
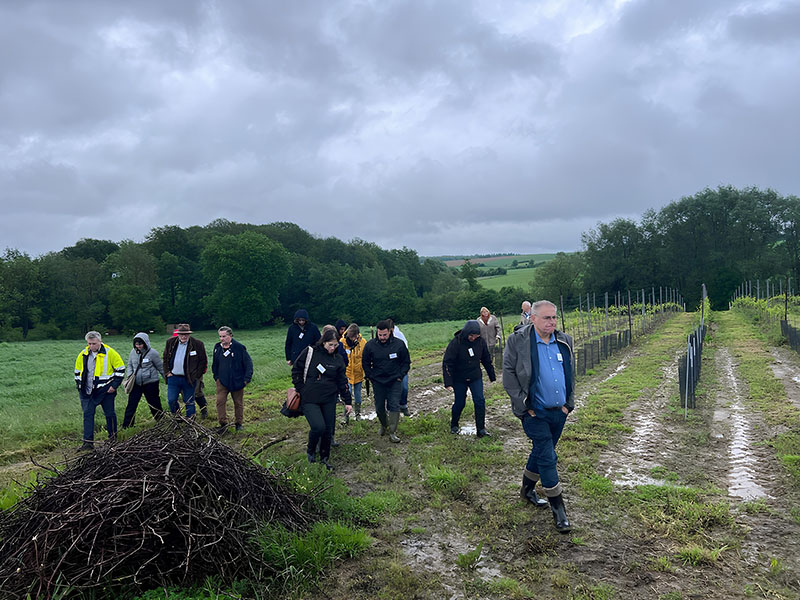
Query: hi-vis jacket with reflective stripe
[(108, 368)]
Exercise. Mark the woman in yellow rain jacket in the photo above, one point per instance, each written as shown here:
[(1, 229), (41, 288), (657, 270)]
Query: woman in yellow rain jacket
[(354, 346)]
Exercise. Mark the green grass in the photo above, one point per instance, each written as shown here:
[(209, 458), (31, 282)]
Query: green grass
[(41, 409), (513, 278)]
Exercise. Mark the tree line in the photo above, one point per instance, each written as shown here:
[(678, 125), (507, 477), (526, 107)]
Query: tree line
[(228, 273), (719, 237), (247, 275)]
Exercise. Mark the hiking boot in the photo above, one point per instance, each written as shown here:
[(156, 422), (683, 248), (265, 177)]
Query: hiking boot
[(204, 413), (404, 410), (454, 429), (325, 462), (312, 457), (239, 427), (483, 433), (86, 447), (223, 427)]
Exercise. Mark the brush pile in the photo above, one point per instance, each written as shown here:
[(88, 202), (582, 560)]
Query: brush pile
[(169, 505)]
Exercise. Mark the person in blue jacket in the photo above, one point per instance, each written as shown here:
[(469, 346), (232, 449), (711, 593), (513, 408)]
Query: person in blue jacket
[(232, 368), (302, 333)]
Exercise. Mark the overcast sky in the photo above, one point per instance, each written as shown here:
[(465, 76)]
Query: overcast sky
[(445, 126)]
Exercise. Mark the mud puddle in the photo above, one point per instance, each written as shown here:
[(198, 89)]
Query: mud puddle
[(649, 444), (744, 463), (616, 371)]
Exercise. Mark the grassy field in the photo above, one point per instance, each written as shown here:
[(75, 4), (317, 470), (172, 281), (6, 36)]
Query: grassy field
[(514, 278), (502, 261), (40, 404)]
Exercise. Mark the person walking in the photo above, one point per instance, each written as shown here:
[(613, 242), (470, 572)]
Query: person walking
[(145, 366), (461, 370), (525, 317), (99, 370), (185, 361), (404, 392), (319, 377), (301, 334), (490, 331), (354, 347), (232, 369), (386, 362), (538, 375)]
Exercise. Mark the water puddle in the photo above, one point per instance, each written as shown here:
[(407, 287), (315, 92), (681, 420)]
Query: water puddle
[(468, 430), (440, 555), (430, 391), (744, 463)]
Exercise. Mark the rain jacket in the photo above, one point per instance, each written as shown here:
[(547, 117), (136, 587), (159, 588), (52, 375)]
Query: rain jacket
[(234, 370), (195, 363), (354, 370), (299, 338), (108, 369), (463, 366), (385, 362), (151, 362)]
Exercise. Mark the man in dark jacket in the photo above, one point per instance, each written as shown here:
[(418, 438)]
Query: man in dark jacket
[(185, 361), (301, 334), (461, 369), (538, 375), (232, 368), (386, 362)]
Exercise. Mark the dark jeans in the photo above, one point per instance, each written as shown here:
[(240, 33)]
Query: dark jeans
[(387, 397), (404, 392), (199, 394), (176, 385), (321, 418), (544, 430), (89, 405), (150, 391), (460, 392)]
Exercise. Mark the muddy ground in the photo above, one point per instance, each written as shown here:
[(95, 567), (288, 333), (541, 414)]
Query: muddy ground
[(609, 553)]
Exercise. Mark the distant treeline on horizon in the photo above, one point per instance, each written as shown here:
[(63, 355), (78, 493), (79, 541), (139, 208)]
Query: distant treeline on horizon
[(248, 276)]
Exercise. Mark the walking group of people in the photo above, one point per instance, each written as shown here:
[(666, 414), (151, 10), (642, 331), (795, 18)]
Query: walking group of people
[(538, 374), (100, 371)]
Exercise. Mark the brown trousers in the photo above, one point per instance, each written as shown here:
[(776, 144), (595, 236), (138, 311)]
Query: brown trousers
[(222, 402)]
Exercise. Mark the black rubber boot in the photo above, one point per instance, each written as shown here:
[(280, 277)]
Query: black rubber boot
[(560, 514), (528, 492)]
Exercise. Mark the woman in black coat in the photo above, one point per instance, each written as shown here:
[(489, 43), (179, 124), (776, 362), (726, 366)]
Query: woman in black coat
[(461, 369), (318, 375)]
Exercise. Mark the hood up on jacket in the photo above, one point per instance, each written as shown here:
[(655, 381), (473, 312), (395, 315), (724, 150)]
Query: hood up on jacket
[(145, 338), (302, 314)]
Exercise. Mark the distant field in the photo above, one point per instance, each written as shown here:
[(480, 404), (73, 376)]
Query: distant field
[(502, 261), (514, 278)]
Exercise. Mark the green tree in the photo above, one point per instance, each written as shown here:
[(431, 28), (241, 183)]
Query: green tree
[(20, 286), (469, 273), (560, 277), (132, 288), (244, 273)]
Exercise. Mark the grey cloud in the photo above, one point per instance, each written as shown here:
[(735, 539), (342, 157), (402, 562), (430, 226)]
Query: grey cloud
[(766, 24)]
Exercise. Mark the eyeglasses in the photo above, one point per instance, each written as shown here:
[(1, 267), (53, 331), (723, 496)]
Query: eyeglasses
[(548, 318)]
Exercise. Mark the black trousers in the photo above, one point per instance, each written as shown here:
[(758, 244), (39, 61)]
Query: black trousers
[(321, 418), (150, 391)]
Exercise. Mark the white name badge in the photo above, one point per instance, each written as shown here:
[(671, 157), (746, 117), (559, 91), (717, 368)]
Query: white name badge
[(393, 355), (471, 353), (559, 357), (346, 350), (300, 337), (320, 368), (144, 360), (193, 353), (226, 353)]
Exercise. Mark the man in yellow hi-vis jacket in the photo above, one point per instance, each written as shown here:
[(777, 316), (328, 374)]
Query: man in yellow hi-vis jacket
[(99, 370)]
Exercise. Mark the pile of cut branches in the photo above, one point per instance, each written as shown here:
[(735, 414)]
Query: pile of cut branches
[(169, 505)]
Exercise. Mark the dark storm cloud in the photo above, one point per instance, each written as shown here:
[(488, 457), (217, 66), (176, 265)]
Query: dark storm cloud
[(442, 126)]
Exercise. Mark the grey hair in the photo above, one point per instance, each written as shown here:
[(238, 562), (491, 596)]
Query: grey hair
[(539, 304), (93, 335), (226, 329)]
